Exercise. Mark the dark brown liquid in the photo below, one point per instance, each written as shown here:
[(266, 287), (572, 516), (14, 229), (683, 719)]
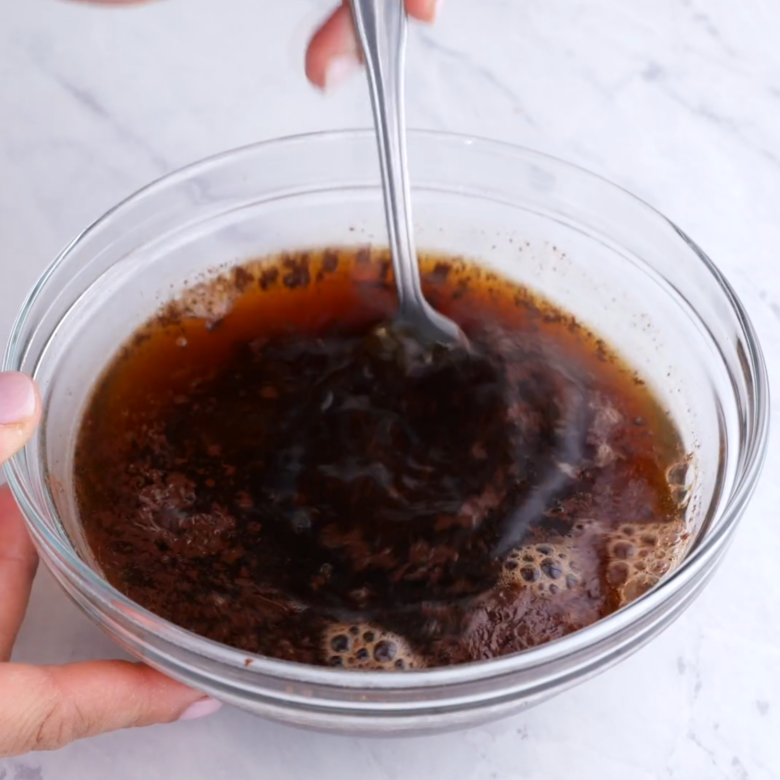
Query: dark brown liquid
[(265, 464)]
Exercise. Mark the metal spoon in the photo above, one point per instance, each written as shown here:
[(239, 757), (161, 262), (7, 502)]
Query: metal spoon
[(381, 28)]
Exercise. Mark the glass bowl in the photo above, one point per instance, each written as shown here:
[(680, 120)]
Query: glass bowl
[(613, 261)]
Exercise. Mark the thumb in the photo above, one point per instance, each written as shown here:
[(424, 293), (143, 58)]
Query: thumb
[(44, 708), (20, 410)]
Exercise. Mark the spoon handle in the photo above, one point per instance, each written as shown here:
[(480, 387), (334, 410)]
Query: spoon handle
[(381, 26)]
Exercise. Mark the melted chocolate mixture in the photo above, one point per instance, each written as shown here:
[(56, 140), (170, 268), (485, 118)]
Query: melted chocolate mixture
[(269, 464)]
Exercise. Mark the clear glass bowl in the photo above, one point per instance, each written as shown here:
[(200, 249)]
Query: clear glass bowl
[(596, 250)]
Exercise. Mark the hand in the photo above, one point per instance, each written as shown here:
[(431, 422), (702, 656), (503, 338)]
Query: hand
[(45, 707), (332, 54)]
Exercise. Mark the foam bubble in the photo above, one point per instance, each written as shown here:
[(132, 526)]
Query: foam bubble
[(368, 647), (211, 301), (680, 477), (639, 555), (546, 568), (679, 474)]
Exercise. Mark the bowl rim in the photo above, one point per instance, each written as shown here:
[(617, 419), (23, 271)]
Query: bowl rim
[(66, 559)]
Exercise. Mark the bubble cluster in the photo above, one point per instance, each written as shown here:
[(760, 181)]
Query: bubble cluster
[(369, 648), (547, 568), (638, 555), (210, 301)]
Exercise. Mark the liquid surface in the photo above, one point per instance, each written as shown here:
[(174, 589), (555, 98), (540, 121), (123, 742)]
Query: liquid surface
[(269, 465)]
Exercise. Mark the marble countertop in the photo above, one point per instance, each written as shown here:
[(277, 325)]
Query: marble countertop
[(676, 100)]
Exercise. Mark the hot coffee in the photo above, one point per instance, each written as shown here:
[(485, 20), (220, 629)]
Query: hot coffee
[(272, 464)]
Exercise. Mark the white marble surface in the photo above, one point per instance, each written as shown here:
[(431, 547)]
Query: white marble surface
[(677, 100)]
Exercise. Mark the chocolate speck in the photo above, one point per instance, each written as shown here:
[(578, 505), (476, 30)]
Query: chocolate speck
[(242, 278), (297, 271), (268, 278), (330, 261)]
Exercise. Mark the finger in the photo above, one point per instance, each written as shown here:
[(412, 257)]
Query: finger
[(20, 410), (44, 708), (424, 10), (17, 569), (332, 54)]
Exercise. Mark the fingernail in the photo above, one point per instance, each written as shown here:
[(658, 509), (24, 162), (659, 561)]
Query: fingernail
[(340, 69), (17, 398), (200, 709)]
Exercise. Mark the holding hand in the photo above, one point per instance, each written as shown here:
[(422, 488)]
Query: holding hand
[(45, 707), (332, 54)]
